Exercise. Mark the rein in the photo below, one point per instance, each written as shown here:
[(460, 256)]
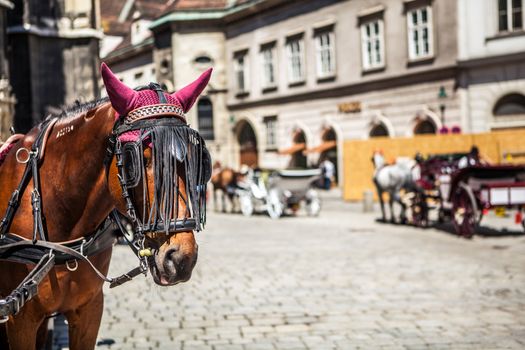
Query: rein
[(172, 141)]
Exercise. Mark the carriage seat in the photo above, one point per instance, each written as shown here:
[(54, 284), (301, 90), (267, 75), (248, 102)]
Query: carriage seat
[(6, 146)]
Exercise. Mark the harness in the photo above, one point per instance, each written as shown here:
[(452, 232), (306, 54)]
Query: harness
[(167, 133)]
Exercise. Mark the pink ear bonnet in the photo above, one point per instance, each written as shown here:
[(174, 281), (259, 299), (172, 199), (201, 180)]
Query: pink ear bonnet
[(124, 99)]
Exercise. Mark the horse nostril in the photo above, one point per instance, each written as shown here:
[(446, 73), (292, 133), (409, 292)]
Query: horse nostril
[(171, 254)]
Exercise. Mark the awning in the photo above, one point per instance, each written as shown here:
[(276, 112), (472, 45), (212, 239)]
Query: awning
[(296, 147), (325, 146)]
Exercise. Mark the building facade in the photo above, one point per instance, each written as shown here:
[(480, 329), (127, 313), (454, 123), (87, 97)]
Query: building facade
[(294, 79), (328, 71), (492, 64), (7, 100), (53, 56)]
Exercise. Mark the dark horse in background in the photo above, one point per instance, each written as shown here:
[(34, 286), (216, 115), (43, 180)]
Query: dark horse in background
[(225, 181), (79, 190)]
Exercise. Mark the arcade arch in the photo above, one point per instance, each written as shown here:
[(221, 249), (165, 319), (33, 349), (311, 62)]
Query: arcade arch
[(247, 144)]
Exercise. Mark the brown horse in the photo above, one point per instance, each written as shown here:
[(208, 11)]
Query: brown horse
[(79, 190), (225, 181)]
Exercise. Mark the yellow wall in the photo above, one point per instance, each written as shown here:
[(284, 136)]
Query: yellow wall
[(357, 154)]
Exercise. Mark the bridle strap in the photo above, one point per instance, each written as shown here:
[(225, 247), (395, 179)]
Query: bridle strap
[(30, 171), (152, 111), (158, 89)]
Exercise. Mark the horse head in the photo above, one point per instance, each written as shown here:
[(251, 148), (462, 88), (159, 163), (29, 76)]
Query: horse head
[(378, 159), (162, 167)]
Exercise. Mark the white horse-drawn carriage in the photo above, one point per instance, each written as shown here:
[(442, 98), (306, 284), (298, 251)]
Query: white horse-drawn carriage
[(277, 192)]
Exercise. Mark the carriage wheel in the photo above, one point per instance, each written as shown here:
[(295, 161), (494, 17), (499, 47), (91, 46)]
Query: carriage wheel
[(465, 213), (274, 206), (313, 203), (419, 209), (246, 202)]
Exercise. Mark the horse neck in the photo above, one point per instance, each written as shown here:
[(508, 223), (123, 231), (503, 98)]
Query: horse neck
[(75, 195), (86, 172), (379, 162)]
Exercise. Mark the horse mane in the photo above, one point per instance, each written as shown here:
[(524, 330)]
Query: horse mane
[(76, 109)]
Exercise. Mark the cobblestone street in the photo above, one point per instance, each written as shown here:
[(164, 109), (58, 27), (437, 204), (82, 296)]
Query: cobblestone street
[(339, 281)]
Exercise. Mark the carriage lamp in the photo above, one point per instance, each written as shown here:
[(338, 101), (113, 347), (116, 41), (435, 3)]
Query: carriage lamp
[(442, 95)]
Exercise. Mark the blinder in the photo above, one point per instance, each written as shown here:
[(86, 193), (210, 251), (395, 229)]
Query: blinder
[(132, 160)]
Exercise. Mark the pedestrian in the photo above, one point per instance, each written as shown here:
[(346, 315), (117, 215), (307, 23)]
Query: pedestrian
[(328, 172), (473, 158)]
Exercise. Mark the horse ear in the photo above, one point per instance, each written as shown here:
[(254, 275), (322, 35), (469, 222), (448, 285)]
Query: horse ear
[(122, 97), (188, 94)]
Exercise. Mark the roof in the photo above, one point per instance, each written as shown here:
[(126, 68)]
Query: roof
[(191, 10), (110, 11), (117, 15)]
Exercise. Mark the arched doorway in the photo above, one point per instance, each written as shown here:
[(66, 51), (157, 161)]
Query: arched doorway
[(425, 126), (379, 130), (298, 157), (247, 144), (329, 152)]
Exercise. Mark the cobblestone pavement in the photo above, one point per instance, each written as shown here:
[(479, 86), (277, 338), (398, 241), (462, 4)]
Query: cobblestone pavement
[(339, 281)]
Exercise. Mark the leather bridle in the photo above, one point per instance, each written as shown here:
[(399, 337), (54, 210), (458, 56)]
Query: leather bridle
[(150, 122)]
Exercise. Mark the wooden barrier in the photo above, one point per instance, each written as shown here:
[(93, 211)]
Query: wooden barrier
[(496, 147)]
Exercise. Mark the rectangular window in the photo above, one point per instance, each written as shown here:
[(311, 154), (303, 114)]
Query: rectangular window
[(510, 15), (372, 44), (271, 132), (268, 66), (241, 72), (296, 71), (325, 53), (420, 34)]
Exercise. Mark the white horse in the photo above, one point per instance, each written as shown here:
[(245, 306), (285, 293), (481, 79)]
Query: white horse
[(391, 179)]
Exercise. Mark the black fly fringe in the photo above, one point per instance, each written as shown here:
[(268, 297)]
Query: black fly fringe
[(172, 146)]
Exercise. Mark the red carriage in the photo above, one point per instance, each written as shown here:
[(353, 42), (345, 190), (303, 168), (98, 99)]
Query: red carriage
[(465, 194)]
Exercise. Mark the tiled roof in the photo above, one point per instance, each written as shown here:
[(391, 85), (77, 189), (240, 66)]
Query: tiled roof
[(110, 11)]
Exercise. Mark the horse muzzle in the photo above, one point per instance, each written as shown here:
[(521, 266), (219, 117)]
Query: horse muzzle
[(173, 261)]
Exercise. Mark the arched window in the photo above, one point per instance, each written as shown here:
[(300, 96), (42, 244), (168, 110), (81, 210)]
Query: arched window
[(379, 130), (205, 118), (509, 105), (203, 59), (425, 127)]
